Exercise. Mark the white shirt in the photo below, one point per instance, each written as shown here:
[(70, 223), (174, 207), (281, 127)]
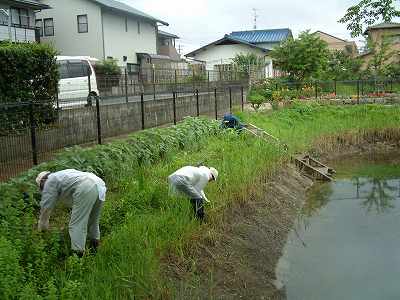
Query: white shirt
[(61, 186), (197, 176)]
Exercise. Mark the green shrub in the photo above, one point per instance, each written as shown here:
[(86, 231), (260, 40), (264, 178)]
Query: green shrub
[(255, 98), (28, 73), (107, 67)]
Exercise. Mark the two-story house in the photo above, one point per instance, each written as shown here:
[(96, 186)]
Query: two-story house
[(218, 55), (337, 44), (388, 32), (17, 20), (99, 28)]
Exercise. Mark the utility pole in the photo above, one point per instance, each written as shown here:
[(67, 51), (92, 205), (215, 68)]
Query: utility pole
[(255, 18), (180, 48)]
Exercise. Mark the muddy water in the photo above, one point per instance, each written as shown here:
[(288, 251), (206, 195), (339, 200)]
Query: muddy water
[(346, 243)]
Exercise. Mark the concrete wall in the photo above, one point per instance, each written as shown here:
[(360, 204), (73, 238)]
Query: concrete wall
[(223, 54), (66, 38), (120, 42)]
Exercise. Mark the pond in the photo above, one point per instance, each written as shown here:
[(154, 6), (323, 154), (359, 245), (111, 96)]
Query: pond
[(346, 242)]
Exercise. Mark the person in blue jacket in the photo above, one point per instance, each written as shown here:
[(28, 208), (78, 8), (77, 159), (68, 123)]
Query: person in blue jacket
[(231, 121)]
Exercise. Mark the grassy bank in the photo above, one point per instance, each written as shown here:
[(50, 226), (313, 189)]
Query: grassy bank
[(141, 222)]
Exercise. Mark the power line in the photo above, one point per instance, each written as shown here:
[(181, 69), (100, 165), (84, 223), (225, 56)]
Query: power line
[(255, 18)]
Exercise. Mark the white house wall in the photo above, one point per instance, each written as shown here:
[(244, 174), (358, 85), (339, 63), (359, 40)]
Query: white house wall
[(223, 54), (118, 42), (268, 45), (66, 38)]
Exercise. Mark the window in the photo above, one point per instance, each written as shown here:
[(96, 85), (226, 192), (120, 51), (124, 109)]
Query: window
[(39, 25), (23, 17), (20, 16), (3, 17), (126, 24), (83, 24), (48, 27), (138, 27), (63, 69), (78, 68), (132, 68)]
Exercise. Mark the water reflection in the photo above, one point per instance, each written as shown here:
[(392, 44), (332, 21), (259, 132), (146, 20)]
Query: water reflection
[(376, 194), (381, 195), (345, 246)]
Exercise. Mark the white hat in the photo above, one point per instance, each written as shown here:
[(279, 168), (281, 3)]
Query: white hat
[(214, 173), (41, 176)]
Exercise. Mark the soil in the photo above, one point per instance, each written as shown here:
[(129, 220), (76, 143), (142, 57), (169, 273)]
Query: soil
[(237, 259)]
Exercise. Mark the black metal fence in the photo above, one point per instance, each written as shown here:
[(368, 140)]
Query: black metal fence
[(31, 133), (361, 90)]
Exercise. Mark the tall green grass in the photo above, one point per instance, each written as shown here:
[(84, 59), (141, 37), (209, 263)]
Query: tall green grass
[(141, 222)]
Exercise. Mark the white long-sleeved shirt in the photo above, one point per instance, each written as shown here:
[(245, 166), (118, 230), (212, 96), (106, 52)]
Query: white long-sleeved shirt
[(197, 176), (60, 186)]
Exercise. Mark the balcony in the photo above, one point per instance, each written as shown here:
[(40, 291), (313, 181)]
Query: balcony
[(23, 31)]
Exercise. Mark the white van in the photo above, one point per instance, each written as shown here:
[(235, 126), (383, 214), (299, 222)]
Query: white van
[(74, 84)]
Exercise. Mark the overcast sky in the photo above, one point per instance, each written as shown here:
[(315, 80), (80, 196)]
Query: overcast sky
[(203, 21)]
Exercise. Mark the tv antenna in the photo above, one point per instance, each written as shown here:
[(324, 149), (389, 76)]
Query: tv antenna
[(255, 18)]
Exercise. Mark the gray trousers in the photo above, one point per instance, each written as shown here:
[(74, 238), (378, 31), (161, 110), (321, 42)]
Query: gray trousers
[(85, 215), (182, 185)]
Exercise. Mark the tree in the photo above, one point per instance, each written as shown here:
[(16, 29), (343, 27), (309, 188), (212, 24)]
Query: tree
[(368, 12), (381, 54), (249, 62), (302, 58), (342, 66)]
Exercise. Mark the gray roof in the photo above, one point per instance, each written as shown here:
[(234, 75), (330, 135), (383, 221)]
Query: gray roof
[(122, 7), (383, 26), (167, 34), (263, 36), (31, 3)]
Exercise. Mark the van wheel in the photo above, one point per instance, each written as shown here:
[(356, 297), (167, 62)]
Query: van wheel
[(91, 99)]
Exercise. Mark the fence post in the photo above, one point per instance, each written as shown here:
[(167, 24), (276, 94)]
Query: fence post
[(154, 83), (33, 133), (142, 109), (216, 104), (174, 104), (242, 97), (89, 99), (193, 74), (98, 120), (358, 91), (362, 87), (57, 101), (197, 103), (176, 80), (230, 99), (335, 87), (316, 89), (126, 85), (391, 85)]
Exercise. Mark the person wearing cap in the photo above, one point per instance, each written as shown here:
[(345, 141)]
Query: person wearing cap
[(85, 193), (191, 182)]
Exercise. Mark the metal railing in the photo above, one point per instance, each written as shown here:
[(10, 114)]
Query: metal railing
[(31, 133)]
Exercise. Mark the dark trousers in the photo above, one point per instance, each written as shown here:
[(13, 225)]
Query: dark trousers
[(198, 208)]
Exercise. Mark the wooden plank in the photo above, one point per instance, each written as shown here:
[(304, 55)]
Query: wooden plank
[(318, 172)]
